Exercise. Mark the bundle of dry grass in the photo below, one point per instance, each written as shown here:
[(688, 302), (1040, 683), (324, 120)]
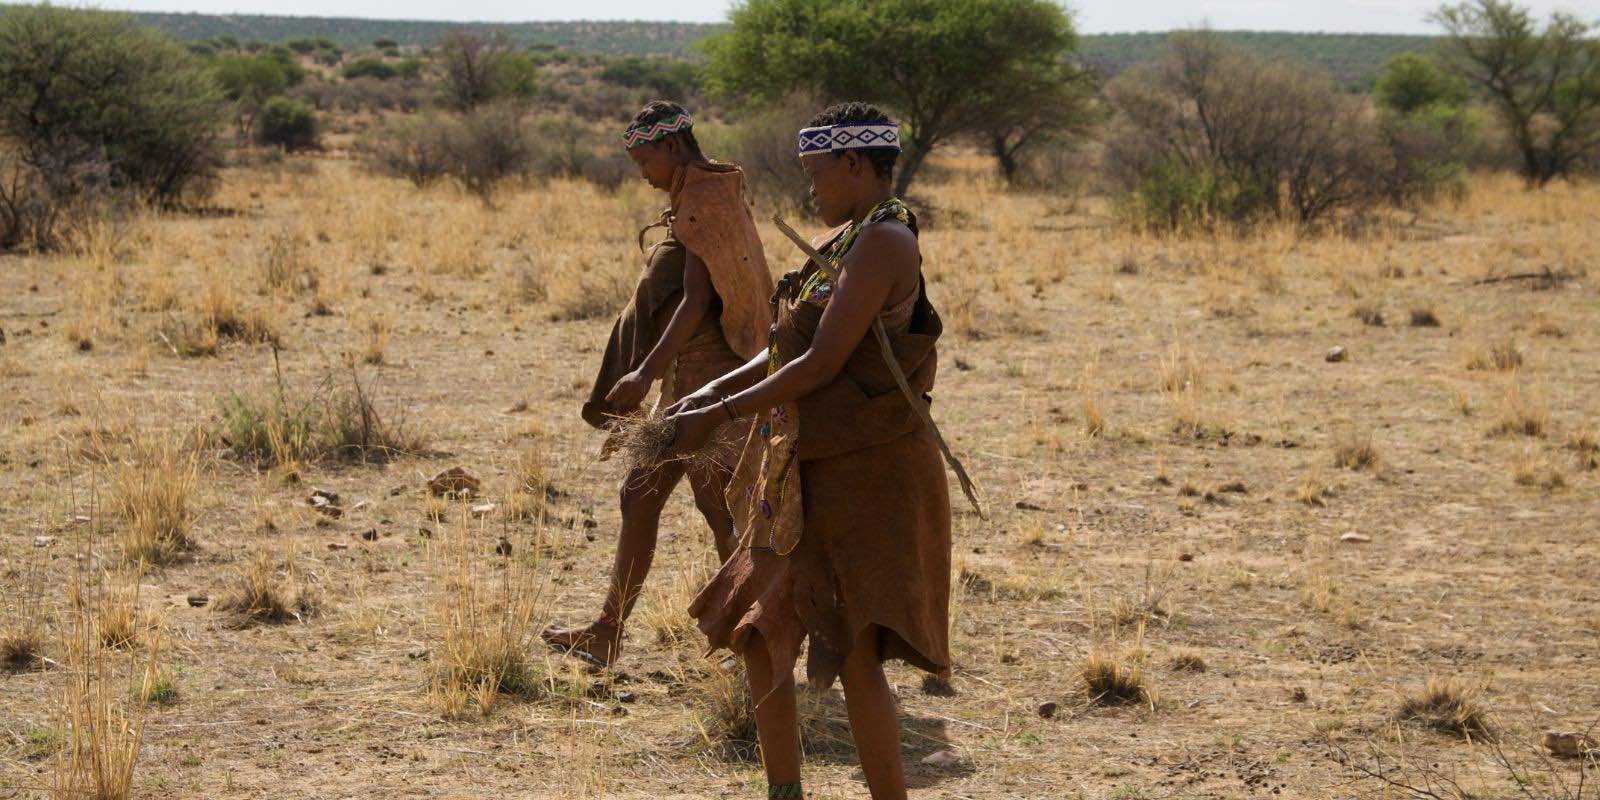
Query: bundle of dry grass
[(645, 439)]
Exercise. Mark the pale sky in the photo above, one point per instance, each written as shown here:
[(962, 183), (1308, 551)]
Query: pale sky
[(1094, 16)]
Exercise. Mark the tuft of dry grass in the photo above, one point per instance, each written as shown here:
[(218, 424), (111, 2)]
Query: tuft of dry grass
[(485, 623), (643, 440), (100, 736), (21, 646), (1448, 706), (1424, 317), (376, 339), (151, 490), (1523, 411), (662, 610), (725, 713), (1187, 662), (22, 634), (1313, 490), (117, 620), (1532, 469), (1111, 677), (264, 594), (1587, 447), (285, 265), (1094, 420), (1368, 314), (1353, 449), (1502, 356)]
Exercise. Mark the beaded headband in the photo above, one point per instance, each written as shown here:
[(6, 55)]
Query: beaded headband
[(849, 136), (636, 135)]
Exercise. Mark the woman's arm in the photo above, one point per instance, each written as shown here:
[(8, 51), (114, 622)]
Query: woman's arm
[(883, 263), (883, 260), (697, 295), (741, 378)]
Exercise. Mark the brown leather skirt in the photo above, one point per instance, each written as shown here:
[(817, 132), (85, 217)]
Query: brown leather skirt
[(875, 552)]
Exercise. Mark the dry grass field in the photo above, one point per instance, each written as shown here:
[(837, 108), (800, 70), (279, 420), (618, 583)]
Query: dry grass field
[(1219, 562)]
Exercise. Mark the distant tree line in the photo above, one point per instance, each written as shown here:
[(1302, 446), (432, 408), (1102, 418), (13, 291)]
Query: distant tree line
[(95, 108)]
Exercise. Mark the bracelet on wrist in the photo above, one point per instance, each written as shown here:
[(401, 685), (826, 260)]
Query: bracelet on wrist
[(727, 405)]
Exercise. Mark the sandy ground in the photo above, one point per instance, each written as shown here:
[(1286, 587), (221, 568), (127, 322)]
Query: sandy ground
[(1180, 529)]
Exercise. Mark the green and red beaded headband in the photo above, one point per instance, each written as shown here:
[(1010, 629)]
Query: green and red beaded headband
[(643, 133)]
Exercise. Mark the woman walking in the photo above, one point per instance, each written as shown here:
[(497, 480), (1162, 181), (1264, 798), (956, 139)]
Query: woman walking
[(839, 499), (699, 310)]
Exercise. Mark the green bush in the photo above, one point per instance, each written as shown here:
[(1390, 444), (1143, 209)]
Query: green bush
[(1180, 195), (369, 68), (287, 123), (92, 103)]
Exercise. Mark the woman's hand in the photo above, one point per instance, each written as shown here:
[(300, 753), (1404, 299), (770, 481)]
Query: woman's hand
[(629, 392), (708, 395), (693, 429)]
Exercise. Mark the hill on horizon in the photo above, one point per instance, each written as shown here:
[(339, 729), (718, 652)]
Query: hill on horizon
[(1354, 59)]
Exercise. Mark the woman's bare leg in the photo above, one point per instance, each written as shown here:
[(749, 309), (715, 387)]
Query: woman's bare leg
[(710, 484), (874, 720), (777, 727), (644, 494)]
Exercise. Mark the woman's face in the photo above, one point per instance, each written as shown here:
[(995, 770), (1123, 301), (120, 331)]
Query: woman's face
[(832, 177), (657, 161)]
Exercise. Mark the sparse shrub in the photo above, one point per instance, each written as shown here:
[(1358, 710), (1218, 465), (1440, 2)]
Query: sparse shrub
[(117, 620), (490, 145), (287, 123), (1448, 706), (249, 82), (757, 140), (1213, 135), (414, 148), (480, 68)]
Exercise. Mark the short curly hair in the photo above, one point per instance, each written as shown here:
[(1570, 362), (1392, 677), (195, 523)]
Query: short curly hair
[(859, 113), (657, 110)]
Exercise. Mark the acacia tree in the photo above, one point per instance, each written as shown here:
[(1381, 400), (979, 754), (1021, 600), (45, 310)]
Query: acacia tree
[(1544, 84), (939, 65)]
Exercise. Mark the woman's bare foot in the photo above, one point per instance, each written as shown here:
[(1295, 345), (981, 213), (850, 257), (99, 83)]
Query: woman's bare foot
[(598, 643)]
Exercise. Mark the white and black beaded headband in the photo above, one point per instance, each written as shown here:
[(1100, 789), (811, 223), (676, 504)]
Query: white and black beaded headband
[(849, 136)]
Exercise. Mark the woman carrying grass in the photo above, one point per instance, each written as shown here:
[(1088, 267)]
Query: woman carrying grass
[(839, 499), (699, 310)]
